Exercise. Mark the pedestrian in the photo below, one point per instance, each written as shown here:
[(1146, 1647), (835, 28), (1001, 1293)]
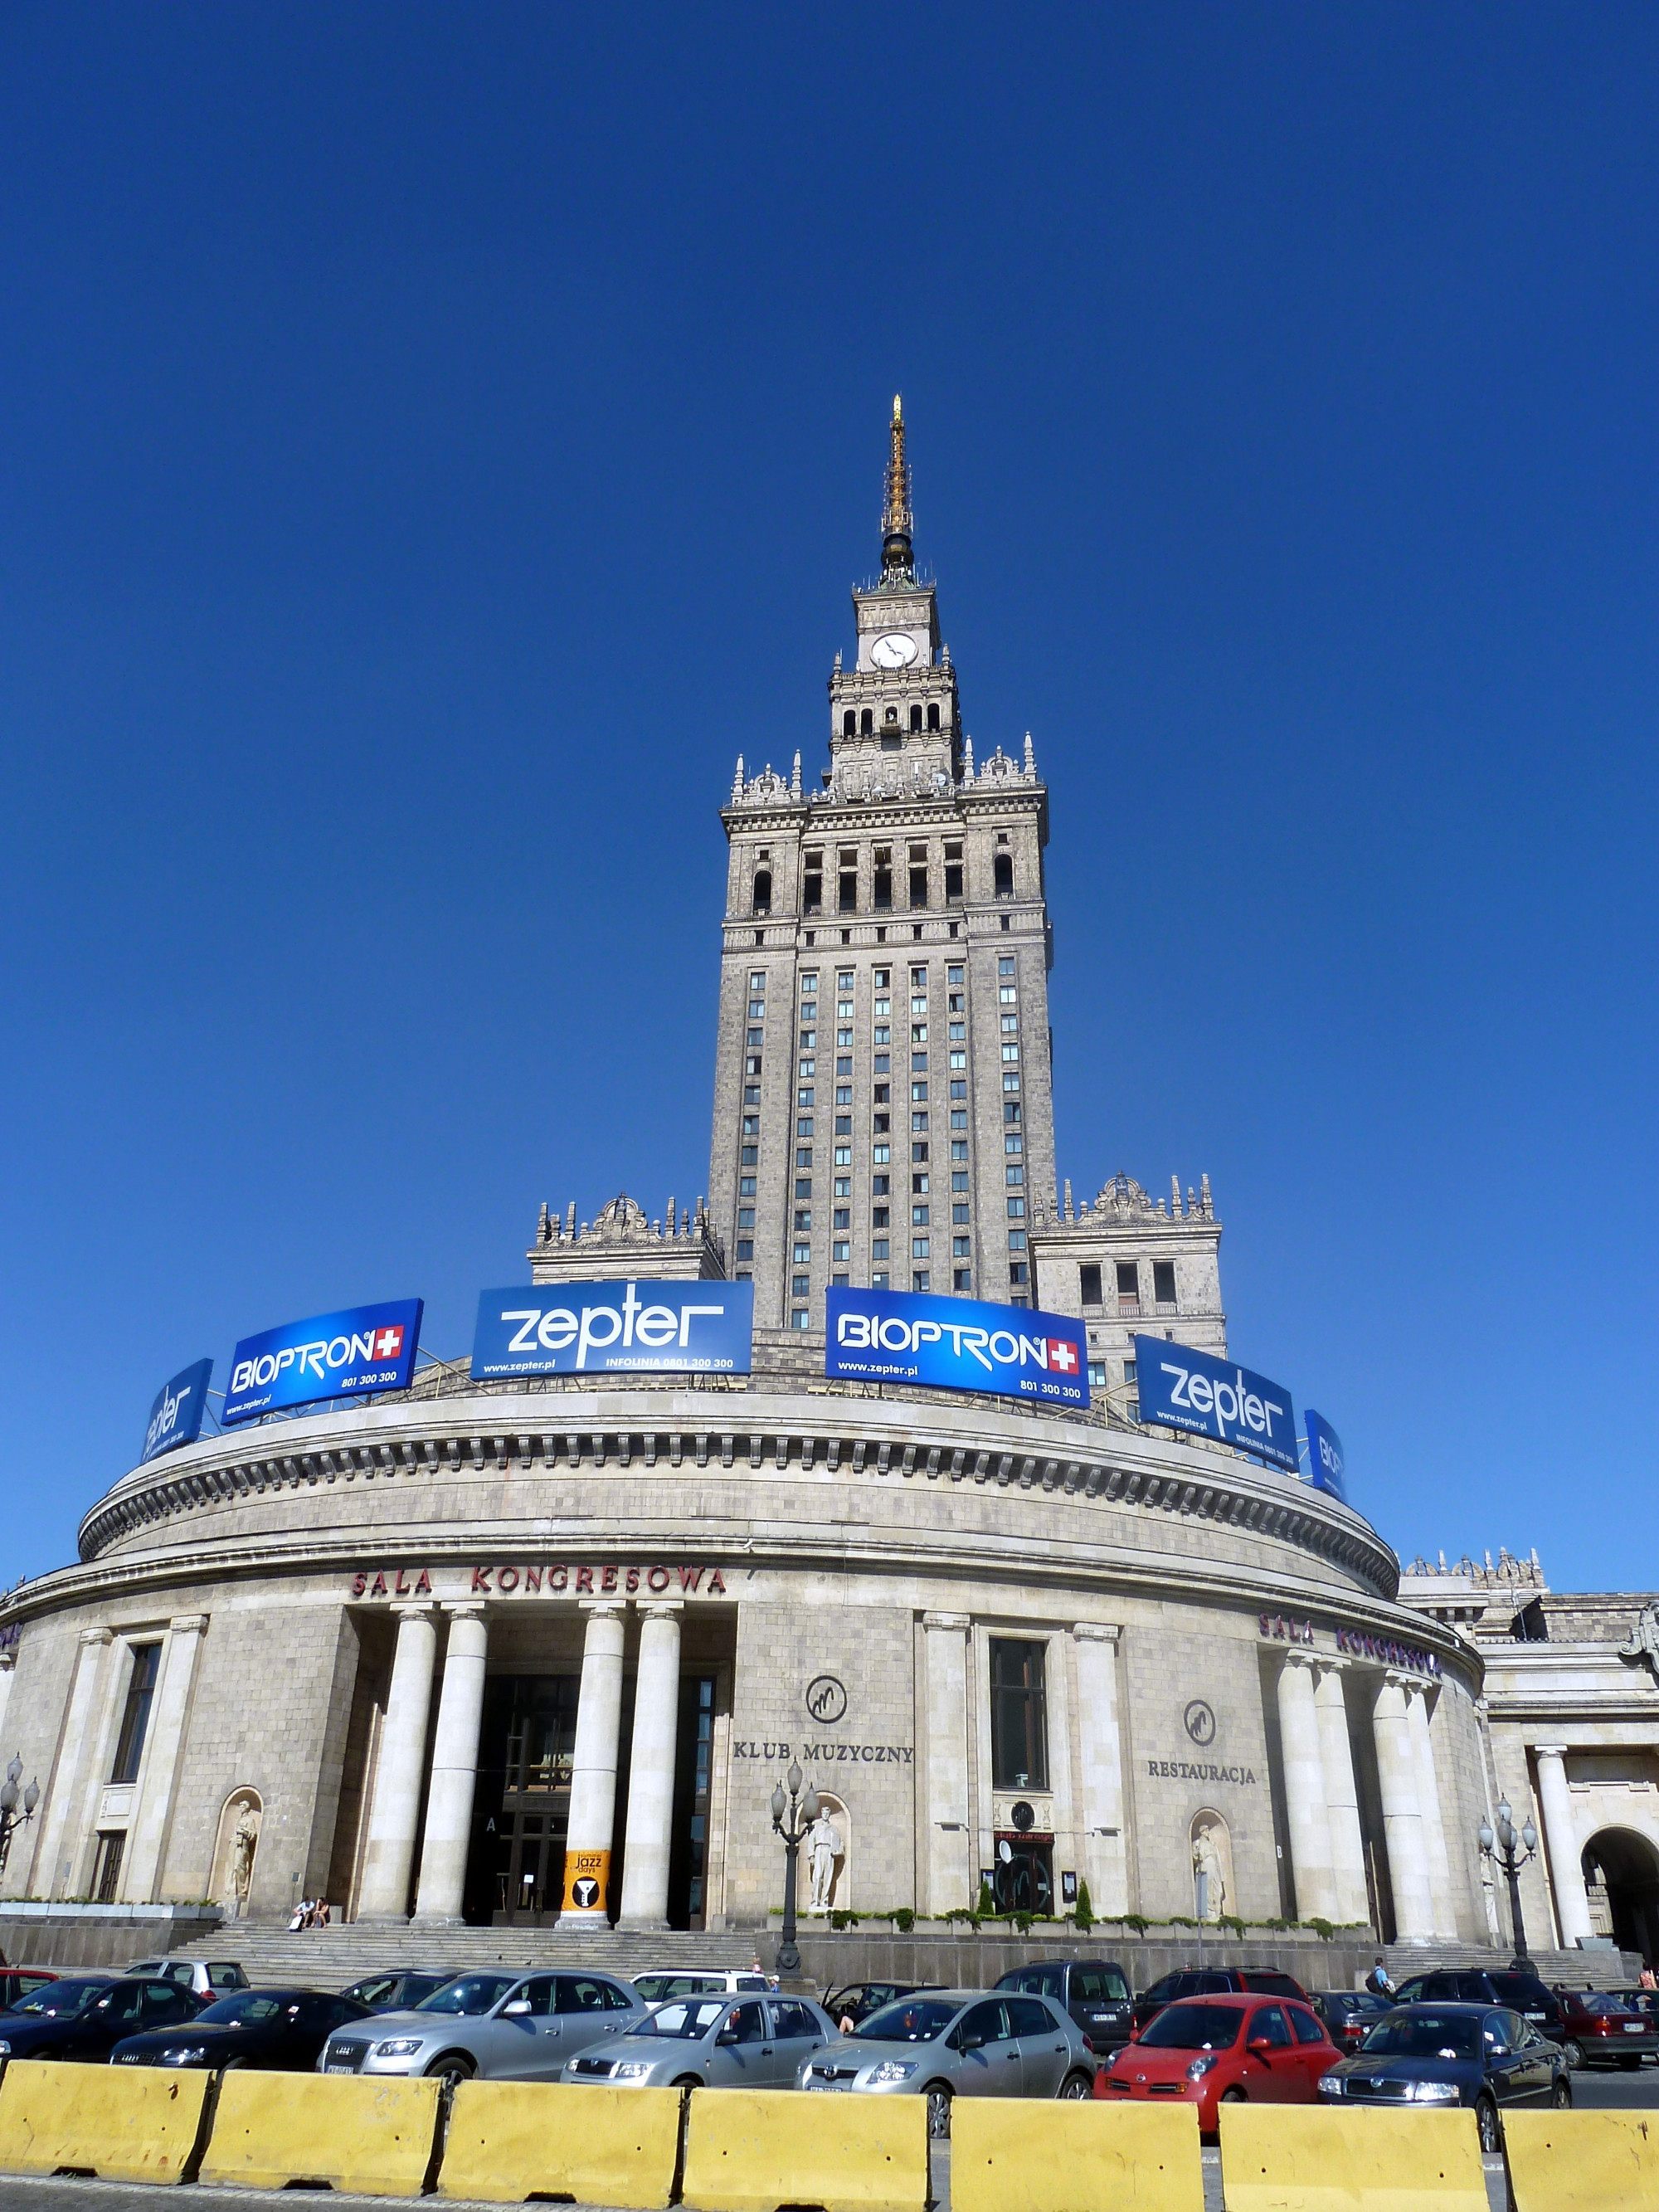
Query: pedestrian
[(299, 1918), (322, 1919), (1647, 1980), (1378, 1980)]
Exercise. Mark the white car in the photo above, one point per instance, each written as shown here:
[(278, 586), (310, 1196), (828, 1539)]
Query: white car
[(206, 1978), (658, 1984)]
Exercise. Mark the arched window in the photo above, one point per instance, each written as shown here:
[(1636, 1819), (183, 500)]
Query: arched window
[(849, 722), (764, 890), (932, 714), (891, 718), (1005, 876), (915, 717), (866, 722)]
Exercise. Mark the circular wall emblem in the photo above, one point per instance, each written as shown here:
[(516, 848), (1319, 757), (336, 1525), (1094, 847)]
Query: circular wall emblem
[(826, 1699), (1200, 1722), (1023, 1816)]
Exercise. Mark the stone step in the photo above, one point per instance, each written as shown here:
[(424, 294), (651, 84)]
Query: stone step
[(331, 1956)]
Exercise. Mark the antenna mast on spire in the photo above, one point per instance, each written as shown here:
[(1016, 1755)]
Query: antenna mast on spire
[(897, 561)]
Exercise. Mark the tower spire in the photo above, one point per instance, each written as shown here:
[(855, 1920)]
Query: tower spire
[(896, 558)]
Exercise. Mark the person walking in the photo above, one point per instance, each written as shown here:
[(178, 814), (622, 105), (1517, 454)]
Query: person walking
[(1378, 1980)]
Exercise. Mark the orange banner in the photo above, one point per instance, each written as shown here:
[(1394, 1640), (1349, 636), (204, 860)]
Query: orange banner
[(587, 1877)]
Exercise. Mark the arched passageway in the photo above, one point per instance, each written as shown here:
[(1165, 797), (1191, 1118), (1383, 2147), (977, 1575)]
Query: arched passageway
[(1621, 1876)]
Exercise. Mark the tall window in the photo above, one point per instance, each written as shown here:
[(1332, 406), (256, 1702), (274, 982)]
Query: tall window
[(1019, 1722), (134, 1721)]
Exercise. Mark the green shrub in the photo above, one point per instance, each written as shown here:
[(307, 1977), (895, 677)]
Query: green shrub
[(904, 1919), (986, 1905), (1085, 1914)]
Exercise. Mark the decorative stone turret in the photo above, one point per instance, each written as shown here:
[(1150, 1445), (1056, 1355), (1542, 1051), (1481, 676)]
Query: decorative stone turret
[(620, 1243)]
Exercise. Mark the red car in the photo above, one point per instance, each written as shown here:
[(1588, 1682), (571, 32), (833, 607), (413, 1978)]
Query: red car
[(1219, 2050), (1606, 2027)]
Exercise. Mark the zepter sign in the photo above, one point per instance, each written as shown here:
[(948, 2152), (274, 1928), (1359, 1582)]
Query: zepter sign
[(1180, 1388)]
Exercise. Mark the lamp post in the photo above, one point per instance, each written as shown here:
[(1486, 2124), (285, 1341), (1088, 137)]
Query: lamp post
[(10, 1821), (1510, 1852), (792, 1822)]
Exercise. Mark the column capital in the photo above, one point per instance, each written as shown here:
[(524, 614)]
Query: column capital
[(188, 1623), (461, 1609), (407, 1613), (959, 1621), (1298, 1657), (660, 1608), (601, 1608), (1096, 1631), (1550, 1750), (7, 1659), (90, 1635)]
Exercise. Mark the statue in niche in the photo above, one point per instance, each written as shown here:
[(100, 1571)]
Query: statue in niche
[(1209, 1883), (244, 1844), (823, 1848)]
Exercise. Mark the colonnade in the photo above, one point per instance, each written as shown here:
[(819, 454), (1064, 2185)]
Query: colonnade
[(388, 1864), (1321, 1799)]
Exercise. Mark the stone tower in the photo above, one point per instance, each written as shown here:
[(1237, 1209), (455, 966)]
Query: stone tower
[(882, 1107)]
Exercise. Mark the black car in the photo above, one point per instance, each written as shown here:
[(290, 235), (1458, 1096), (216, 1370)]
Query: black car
[(859, 1999), (1523, 1993), (394, 1992), (1453, 2054), (1215, 1981), (1095, 1991), (1349, 2015), (17, 1983), (281, 2031), (86, 2016)]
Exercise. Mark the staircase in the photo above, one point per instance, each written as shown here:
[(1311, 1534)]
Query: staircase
[(329, 1958)]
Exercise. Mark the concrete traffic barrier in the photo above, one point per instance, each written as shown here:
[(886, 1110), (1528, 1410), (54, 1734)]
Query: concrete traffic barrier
[(752, 2150), (510, 2140), (1304, 2158), (121, 2122), (1021, 2154), (372, 2135), (1581, 2161)]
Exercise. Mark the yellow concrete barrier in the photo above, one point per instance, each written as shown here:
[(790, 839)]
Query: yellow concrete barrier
[(1301, 2158), (1580, 2161), (366, 2134), (511, 2140), (751, 2150), (1023, 2155), (121, 2122)]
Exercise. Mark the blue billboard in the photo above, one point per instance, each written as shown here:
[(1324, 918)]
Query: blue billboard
[(1180, 1388), (175, 1419), (955, 1343), (697, 1327), (338, 1355), (1326, 1467)]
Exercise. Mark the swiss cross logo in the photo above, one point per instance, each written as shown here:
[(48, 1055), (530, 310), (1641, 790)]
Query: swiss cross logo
[(1062, 1356), (388, 1343)]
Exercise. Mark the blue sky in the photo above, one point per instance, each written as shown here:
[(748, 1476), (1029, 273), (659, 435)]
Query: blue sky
[(435, 441)]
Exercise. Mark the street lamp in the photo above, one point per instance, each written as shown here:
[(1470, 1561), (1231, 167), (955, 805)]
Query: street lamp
[(9, 1820), (794, 1830), (1510, 1852)]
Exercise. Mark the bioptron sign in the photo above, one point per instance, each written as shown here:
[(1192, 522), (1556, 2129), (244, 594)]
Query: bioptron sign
[(338, 1355), (955, 1343)]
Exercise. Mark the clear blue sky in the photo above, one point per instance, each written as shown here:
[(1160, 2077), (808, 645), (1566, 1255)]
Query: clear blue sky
[(435, 440)]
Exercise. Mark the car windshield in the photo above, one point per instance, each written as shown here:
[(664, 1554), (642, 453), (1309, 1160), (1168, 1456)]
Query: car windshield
[(241, 2011), (64, 1996), (686, 2022), (915, 2020), (468, 1993), (1194, 2028), (1424, 2035)]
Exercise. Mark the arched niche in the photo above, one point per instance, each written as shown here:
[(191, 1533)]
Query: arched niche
[(1621, 1880), (1212, 1853), (236, 1851), (840, 1898)]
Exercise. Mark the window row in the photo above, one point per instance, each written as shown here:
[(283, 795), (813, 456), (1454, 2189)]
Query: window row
[(1127, 1280), (912, 871), (860, 721)]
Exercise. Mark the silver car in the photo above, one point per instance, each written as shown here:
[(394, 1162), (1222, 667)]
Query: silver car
[(507, 2027), (657, 1986), (712, 2042), (946, 2044)]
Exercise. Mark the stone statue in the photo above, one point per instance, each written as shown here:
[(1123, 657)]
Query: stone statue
[(1642, 1641), (243, 1844), (824, 1847), (1207, 1881)]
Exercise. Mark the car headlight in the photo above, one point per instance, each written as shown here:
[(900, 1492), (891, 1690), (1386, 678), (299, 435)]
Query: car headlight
[(1332, 2085), (1200, 2067), (5, 2050), (892, 2069), (191, 2056), (401, 2046), (1432, 2092), (630, 2069)]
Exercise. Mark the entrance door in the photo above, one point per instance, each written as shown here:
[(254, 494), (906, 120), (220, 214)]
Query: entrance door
[(532, 1881)]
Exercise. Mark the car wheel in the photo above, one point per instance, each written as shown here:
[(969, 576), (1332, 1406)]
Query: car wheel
[(1076, 2087), (1561, 2094), (452, 2067), (690, 2081), (1573, 2052), (938, 2113), (1233, 2096), (1485, 2121)]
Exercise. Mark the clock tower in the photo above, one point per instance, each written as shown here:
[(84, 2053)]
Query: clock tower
[(884, 1112)]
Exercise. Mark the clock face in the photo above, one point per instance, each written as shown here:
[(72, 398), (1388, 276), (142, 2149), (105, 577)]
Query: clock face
[(895, 650)]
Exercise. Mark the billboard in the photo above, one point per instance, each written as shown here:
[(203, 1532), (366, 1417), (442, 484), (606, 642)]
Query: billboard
[(175, 1419), (1180, 1388), (955, 1343), (638, 1327), (338, 1355), (1326, 1468)]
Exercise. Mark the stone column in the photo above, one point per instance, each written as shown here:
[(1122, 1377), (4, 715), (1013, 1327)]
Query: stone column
[(1305, 1789), (8, 1674), (389, 1854), (649, 1835), (593, 1770), (1342, 1798), (1105, 1845), (1566, 1864), (1441, 1892), (455, 1771), (947, 1865), (60, 1839), (1402, 1814), (152, 1814)]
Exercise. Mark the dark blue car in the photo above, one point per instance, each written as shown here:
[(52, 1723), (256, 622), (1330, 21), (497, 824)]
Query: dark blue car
[(1484, 2055)]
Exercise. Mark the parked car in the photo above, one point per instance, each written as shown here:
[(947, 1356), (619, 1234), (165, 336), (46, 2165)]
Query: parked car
[(1454, 2054), (275, 2029), (86, 2016), (859, 1999), (1214, 1981), (661, 1982), (1606, 2027), (507, 2027), (208, 1978), (395, 1992), (17, 1983), (1523, 1993), (1095, 1991), (710, 2042), (958, 2043), (1226, 2048), (1349, 2015)]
